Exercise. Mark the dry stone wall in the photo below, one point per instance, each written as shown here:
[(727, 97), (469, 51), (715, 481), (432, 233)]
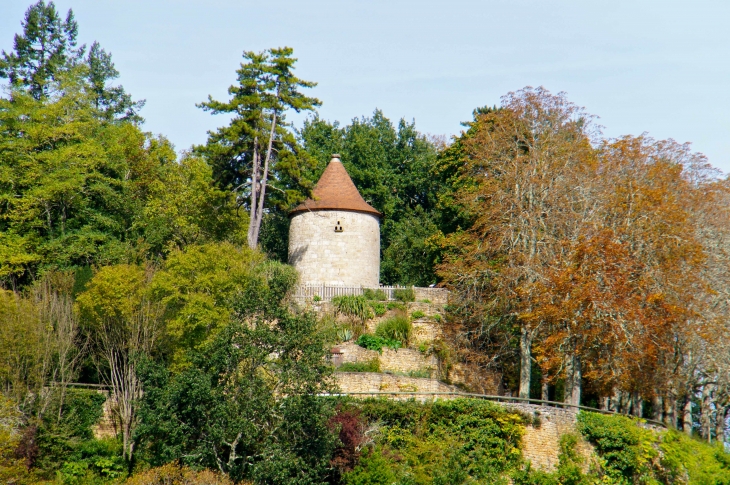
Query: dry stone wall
[(365, 382), (336, 247), (401, 360)]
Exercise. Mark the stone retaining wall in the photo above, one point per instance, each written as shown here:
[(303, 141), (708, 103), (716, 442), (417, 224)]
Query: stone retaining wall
[(372, 382), (401, 360)]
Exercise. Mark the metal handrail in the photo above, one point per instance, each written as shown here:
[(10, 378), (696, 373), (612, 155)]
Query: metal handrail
[(500, 399)]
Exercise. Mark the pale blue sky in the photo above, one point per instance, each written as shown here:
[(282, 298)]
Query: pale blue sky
[(661, 67)]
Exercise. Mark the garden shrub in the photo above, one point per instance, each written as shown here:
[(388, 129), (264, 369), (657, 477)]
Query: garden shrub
[(374, 295), (684, 456), (405, 295), (372, 365), (378, 308), (397, 327), (417, 314), (373, 342), (626, 448), (443, 442), (355, 306)]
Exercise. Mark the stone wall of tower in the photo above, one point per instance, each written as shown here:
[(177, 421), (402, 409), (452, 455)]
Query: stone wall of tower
[(349, 256)]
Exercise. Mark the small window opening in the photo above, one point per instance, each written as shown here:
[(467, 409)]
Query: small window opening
[(338, 227)]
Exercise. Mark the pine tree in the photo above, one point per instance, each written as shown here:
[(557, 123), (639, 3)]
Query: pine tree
[(46, 47), (112, 101), (258, 149)]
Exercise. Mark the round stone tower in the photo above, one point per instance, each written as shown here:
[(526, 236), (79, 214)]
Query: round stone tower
[(334, 239)]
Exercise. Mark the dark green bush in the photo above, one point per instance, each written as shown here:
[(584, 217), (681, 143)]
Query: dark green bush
[(625, 447), (405, 294), (397, 327), (373, 342), (444, 442)]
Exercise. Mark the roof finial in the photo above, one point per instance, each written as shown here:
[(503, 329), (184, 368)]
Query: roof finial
[(335, 157)]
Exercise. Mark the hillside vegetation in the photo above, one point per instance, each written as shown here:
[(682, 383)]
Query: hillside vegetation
[(148, 331)]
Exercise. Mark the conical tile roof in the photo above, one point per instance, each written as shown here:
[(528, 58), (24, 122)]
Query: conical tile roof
[(335, 191)]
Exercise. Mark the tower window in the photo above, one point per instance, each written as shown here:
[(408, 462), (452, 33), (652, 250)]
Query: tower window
[(338, 227)]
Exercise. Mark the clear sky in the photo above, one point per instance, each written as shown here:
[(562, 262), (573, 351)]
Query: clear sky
[(661, 67)]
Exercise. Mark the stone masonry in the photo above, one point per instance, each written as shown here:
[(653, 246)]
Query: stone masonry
[(349, 256)]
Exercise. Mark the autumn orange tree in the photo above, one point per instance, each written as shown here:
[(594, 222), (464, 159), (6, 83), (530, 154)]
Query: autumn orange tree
[(602, 260), (522, 183)]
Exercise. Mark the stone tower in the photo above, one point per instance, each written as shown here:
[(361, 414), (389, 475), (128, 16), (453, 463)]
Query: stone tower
[(335, 238)]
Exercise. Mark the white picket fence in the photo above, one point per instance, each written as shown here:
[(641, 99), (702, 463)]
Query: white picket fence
[(308, 292)]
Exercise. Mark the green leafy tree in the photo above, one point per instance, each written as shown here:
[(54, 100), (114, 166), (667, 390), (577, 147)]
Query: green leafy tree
[(185, 207), (46, 47), (258, 151), (247, 405), (197, 286), (125, 325), (71, 185)]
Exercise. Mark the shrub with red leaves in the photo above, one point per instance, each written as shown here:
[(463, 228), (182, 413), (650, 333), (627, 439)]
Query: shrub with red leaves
[(28, 447), (351, 433)]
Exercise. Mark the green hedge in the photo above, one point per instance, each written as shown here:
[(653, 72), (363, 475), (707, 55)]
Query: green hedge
[(445, 442)]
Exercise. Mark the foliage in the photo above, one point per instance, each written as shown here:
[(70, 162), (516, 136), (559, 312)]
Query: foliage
[(71, 185), (683, 456), (417, 314), (94, 461), (258, 149), (226, 410), (373, 342), (374, 295), (185, 207), (44, 49), (391, 166), (627, 449), (197, 285), (397, 327), (443, 442), (379, 308), (404, 295), (369, 366), (12, 467), (171, 474), (632, 454), (355, 306)]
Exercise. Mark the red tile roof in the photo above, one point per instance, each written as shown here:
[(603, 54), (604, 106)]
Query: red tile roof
[(335, 191)]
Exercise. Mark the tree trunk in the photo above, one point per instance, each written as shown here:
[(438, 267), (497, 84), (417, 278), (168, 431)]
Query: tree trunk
[(657, 408), (637, 405), (706, 413), (545, 391), (720, 416), (257, 212), (670, 410), (571, 395), (525, 362), (253, 202), (687, 415)]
